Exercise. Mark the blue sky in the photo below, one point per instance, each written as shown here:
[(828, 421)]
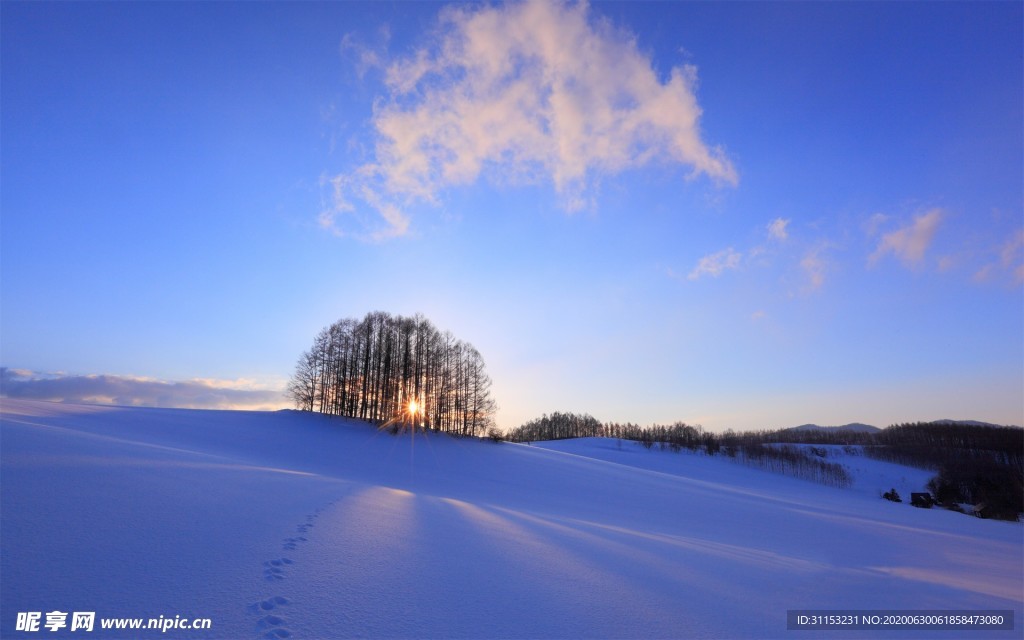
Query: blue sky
[(743, 215)]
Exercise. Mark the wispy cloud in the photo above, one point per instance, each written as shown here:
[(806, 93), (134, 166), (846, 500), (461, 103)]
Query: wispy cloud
[(138, 391), (1011, 256), (910, 243), (716, 263), (777, 229), (523, 92), (814, 267), (1006, 258), (874, 223)]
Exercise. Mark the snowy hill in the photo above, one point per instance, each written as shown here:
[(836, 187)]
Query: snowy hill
[(287, 524), (853, 426)]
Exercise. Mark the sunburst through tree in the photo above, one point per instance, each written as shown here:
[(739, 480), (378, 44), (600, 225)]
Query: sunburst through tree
[(410, 417)]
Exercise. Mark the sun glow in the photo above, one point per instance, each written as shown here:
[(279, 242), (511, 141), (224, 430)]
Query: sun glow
[(413, 407)]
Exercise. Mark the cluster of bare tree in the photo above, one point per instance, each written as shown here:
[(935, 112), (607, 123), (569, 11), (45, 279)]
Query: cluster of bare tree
[(385, 367), (558, 426), (676, 437), (797, 462)]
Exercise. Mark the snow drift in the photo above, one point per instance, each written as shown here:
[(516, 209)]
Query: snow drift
[(299, 525)]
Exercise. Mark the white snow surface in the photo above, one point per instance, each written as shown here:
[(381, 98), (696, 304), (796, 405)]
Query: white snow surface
[(288, 524)]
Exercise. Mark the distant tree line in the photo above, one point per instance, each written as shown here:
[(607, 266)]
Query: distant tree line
[(372, 369), (560, 426), (813, 436), (557, 426)]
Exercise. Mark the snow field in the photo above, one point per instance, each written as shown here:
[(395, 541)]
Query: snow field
[(286, 524)]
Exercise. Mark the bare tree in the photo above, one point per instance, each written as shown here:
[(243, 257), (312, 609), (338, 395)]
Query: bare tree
[(373, 368)]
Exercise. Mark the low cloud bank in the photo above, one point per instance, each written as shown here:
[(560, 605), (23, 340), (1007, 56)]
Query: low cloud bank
[(139, 392)]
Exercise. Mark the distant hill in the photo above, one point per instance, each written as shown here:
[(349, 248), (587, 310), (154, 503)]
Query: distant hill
[(966, 423), (853, 426), (859, 427)]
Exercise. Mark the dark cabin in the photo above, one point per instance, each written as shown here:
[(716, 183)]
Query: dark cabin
[(923, 500)]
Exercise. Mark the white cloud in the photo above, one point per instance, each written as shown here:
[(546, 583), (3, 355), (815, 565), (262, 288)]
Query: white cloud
[(716, 263), (777, 229), (910, 243), (527, 92), (138, 391)]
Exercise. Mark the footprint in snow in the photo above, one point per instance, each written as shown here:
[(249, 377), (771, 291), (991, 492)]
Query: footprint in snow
[(274, 569), (269, 604), (291, 544), (274, 627)]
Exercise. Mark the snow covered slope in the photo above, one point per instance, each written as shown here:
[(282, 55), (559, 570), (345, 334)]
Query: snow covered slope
[(870, 477), (296, 525)]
